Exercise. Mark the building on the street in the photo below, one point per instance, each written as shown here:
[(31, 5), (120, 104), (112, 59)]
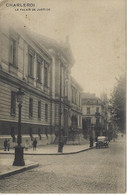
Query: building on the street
[(41, 67), (94, 115), (76, 109)]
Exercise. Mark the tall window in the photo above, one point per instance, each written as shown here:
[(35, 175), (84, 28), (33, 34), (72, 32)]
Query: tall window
[(39, 110), (88, 110), (46, 111), (79, 99), (30, 64), (73, 95), (30, 107), (13, 52), (45, 76), (13, 103), (39, 71), (97, 109)]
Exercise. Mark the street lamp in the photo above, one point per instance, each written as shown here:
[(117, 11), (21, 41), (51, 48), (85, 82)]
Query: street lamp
[(60, 144), (65, 102), (19, 161)]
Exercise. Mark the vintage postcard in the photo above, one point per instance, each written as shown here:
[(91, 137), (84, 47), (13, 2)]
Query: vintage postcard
[(62, 96)]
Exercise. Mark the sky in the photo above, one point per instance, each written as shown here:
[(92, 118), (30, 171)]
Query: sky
[(96, 30)]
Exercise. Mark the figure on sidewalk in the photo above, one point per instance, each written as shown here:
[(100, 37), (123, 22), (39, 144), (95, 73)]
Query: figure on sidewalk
[(8, 145), (46, 133), (13, 134), (5, 144), (61, 144), (39, 133), (34, 144), (30, 133), (91, 141)]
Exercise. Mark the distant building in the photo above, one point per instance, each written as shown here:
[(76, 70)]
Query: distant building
[(94, 115)]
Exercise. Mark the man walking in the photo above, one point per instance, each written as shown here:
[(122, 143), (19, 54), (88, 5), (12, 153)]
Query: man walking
[(5, 144), (34, 144), (8, 144)]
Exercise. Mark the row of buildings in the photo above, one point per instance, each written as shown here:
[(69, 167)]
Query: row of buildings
[(53, 99)]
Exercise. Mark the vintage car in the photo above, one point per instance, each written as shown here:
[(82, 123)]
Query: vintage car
[(102, 141)]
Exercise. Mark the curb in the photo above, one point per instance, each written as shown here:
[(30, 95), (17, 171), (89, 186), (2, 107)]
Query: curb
[(19, 170), (67, 153)]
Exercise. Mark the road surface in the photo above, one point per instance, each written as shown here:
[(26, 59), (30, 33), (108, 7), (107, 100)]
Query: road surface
[(93, 171)]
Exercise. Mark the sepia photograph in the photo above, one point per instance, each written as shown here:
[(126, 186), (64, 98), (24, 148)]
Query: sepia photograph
[(62, 97)]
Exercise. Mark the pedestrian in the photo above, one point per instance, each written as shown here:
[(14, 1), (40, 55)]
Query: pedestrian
[(62, 141), (5, 144), (39, 133), (91, 141), (34, 144), (8, 145)]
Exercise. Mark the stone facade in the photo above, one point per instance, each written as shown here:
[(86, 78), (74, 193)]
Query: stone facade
[(41, 68)]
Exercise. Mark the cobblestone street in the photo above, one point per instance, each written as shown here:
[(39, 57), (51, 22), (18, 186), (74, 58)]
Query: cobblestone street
[(93, 171)]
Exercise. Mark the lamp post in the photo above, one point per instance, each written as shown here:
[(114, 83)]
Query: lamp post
[(65, 101), (60, 145), (19, 161)]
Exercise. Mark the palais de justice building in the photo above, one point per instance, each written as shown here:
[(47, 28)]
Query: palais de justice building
[(41, 67)]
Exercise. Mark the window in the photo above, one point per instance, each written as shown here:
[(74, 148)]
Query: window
[(73, 95), (30, 107), (46, 111), (13, 103), (79, 100), (39, 71), (13, 52), (45, 76), (97, 109), (31, 55), (39, 110), (30, 64), (88, 110)]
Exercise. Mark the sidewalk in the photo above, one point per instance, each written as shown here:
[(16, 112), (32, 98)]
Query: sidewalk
[(51, 150), (7, 169)]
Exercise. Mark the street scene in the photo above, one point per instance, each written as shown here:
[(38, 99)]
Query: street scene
[(62, 97), (93, 171)]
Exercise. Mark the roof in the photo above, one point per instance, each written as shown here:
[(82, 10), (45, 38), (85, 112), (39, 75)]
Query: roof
[(91, 101), (75, 83), (88, 95), (61, 49)]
